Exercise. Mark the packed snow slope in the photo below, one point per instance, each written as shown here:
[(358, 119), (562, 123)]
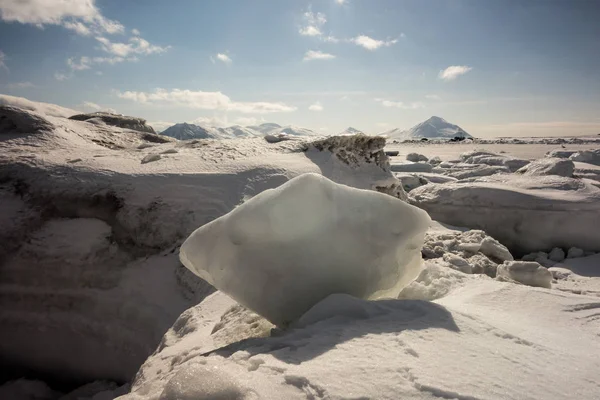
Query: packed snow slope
[(92, 216), (42, 108), (288, 248), (433, 128)]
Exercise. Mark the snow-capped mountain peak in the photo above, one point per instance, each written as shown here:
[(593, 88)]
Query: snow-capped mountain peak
[(432, 128), (351, 131)]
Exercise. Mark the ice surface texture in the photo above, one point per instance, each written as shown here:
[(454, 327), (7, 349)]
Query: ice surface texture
[(288, 248)]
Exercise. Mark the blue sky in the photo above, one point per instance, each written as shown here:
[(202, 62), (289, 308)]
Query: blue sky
[(496, 68)]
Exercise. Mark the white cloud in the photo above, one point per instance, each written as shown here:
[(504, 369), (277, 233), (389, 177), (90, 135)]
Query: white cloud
[(135, 32), (330, 39), (84, 63), (20, 85), (81, 16), (312, 23), (203, 100), (246, 121), (136, 45), (224, 57), (310, 31), (432, 97), (400, 104), (453, 72), (372, 44), (2, 58), (59, 76), (93, 106), (316, 107), (317, 55)]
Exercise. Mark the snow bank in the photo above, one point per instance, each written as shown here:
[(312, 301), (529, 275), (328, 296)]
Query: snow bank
[(416, 157), (14, 120), (526, 272), (468, 343), (525, 213), (411, 167), (38, 107), (121, 121), (549, 166), (587, 156), (286, 249)]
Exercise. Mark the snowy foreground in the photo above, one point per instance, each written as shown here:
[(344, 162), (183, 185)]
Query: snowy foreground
[(97, 305)]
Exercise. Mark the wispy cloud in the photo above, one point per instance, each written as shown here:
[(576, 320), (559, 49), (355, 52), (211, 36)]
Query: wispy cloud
[(2, 63), (93, 106), (317, 55), (453, 72), (20, 85), (135, 32), (203, 100), (61, 76), (80, 16), (136, 45), (82, 64), (400, 104), (317, 106), (372, 44), (312, 23), (224, 58)]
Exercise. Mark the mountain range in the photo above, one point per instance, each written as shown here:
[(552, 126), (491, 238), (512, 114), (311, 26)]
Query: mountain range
[(433, 128), (184, 131)]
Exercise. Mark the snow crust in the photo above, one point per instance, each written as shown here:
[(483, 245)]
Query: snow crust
[(525, 272), (549, 166), (288, 248)]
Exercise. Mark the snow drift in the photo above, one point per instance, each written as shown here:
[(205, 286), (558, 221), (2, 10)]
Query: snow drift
[(526, 213), (286, 249)]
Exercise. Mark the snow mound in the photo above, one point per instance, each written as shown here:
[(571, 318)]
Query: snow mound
[(526, 213), (525, 272), (16, 120), (288, 248), (549, 166), (492, 159), (412, 167), (121, 121), (41, 108), (416, 157), (587, 156), (185, 131)]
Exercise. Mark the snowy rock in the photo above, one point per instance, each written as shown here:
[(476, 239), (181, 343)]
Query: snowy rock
[(575, 252), (170, 151), (435, 160), (151, 158), (475, 170), (524, 213), (494, 249), (281, 252), (121, 121), (392, 153), (559, 153), (492, 159), (560, 272), (410, 181), (525, 272), (458, 263), (17, 120), (549, 166), (277, 138), (416, 157), (411, 167), (587, 156), (557, 254), (358, 161), (434, 177), (196, 382)]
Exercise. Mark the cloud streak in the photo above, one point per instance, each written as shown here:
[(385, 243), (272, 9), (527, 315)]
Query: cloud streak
[(317, 55), (203, 100), (453, 72), (400, 104), (316, 106), (372, 44)]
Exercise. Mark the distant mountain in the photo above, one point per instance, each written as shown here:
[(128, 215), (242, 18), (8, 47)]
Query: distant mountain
[(295, 130), (351, 131), (266, 128), (433, 128), (185, 131)]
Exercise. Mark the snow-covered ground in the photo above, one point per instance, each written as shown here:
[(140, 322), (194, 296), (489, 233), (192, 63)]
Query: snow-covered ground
[(93, 292)]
